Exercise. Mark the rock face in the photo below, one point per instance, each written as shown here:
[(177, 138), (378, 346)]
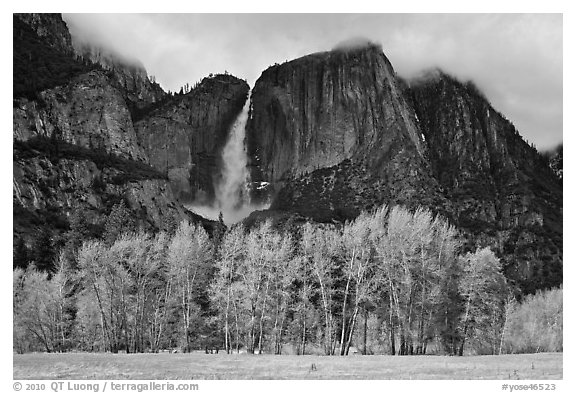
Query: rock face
[(328, 135), (334, 132), (184, 136), (130, 75), (324, 108), (88, 111), (75, 146), (338, 132), (479, 158), (51, 28), (502, 189), (47, 191)]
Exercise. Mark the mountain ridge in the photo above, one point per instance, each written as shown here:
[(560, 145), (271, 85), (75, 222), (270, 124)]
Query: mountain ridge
[(433, 141), (74, 143), (330, 134)]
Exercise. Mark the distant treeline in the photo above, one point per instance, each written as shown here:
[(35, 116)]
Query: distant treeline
[(392, 281)]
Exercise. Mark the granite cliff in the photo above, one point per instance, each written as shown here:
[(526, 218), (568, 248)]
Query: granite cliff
[(75, 147), (502, 189), (339, 132), (50, 28), (334, 134), (89, 111), (328, 135), (139, 90), (184, 136)]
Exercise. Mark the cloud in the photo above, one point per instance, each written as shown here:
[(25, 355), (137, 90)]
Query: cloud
[(516, 59), (353, 43)]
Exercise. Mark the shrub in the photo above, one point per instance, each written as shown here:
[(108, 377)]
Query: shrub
[(535, 325)]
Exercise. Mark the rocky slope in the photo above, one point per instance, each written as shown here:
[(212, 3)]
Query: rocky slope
[(502, 189), (75, 146), (183, 137), (51, 29), (138, 89), (89, 111), (338, 132), (48, 187)]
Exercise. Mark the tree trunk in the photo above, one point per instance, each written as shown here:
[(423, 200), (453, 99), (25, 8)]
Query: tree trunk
[(506, 314), (237, 329), (342, 345), (461, 350), (226, 332), (327, 317), (352, 326), (365, 344), (260, 338), (304, 336), (275, 329), (391, 327)]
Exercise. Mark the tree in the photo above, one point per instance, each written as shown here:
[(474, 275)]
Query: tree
[(395, 248), (105, 283), (44, 253), (221, 290), (159, 288), (142, 257), (189, 254), (535, 324), (20, 335), (250, 285), (21, 255), (320, 249), (483, 288), (41, 309), (283, 275), (119, 221), (78, 233), (276, 252), (218, 234), (359, 271), (303, 307), (254, 274), (395, 270), (414, 253), (438, 246)]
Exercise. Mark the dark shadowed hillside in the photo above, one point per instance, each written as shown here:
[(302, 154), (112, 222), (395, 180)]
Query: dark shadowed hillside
[(502, 189)]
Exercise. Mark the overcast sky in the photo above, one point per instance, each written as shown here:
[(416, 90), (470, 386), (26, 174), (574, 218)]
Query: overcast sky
[(515, 59)]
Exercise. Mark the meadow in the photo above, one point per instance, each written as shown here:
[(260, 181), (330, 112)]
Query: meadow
[(221, 366)]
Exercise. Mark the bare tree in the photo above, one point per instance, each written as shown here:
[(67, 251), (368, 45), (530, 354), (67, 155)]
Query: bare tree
[(231, 254), (483, 288), (320, 248), (189, 253)]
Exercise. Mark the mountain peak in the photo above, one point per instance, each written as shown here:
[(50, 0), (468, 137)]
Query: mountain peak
[(51, 28), (428, 75)]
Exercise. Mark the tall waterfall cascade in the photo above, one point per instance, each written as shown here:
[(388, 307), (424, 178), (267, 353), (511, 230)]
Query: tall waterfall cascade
[(231, 186)]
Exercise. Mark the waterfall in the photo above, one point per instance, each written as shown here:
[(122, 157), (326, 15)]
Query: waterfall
[(231, 187)]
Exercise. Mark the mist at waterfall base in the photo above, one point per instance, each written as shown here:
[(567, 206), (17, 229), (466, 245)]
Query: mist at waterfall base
[(231, 188)]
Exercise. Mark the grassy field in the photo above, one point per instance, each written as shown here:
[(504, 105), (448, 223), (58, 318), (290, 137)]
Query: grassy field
[(222, 366)]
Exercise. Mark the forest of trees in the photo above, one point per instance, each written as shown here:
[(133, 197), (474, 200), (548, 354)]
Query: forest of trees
[(392, 281)]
